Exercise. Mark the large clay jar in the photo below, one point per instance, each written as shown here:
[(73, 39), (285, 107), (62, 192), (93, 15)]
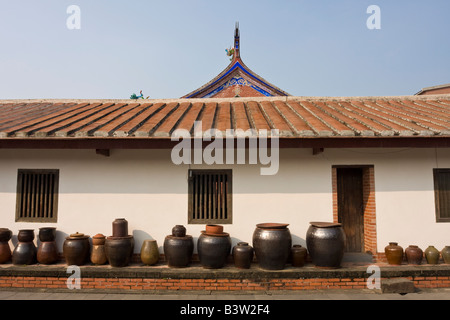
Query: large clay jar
[(47, 252), (120, 228), (394, 253), (298, 255), (149, 252), (76, 249), (432, 255), (446, 254), (119, 250), (272, 244), (178, 248), (242, 255), (213, 249), (325, 242), (5, 249), (25, 251), (414, 255)]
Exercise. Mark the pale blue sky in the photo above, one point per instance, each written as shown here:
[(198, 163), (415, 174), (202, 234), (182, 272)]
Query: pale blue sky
[(169, 48)]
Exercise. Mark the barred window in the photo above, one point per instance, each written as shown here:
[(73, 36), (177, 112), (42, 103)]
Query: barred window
[(442, 194), (210, 196), (37, 195)]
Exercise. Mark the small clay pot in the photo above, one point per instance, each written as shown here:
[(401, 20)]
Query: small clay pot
[(414, 255), (5, 234), (47, 234), (98, 255), (394, 253), (446, 254), (214, 229), (432, 255), (120, 228), (149, 252), (242, 255), (98, 240), (178, 231), (298, 255), (25, 235)]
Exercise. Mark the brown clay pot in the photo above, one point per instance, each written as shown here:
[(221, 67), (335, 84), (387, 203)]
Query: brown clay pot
[(98, 254), (119, 250), (242, 255), (47, 252), (5, 252), (178, 250), (76, 249), (120, 228), (47, 234), (5, 234), (394, 253), (98, 240), (298, 255), (178, 231), (214, 229), (414, 255)]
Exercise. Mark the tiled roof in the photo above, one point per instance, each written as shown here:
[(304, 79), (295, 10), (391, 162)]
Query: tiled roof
[(295, 117)]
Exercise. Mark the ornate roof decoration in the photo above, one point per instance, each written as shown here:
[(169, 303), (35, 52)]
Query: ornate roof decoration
[(237, 80)]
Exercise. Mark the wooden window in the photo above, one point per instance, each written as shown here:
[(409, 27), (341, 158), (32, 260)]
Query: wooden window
[(210, 195), (37, 195), (442, 194)]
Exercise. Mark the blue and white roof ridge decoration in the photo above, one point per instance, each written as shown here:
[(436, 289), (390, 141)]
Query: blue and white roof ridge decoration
[(236, 70)]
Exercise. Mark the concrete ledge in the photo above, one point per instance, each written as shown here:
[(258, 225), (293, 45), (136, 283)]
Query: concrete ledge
[(397, 285), (196, 271)]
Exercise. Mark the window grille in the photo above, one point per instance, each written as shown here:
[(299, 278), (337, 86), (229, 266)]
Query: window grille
[(442, 194), (37, 195), (210, 196)]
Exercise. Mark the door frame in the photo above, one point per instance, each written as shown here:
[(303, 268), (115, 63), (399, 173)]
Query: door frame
[(369, 212)]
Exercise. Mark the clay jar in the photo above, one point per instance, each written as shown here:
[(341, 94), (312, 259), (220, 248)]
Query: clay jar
[(178, 231), (213, 249), (272, 244), (414, 255), (432, 255), (298, 254), (326, 243), (446, 254), (5, 250), (25, 250), (98, 253), (242, 255), (120, 228), (149, 252), (119, 250), (76, 249), (178, 248), (394, 253), (47, 252)]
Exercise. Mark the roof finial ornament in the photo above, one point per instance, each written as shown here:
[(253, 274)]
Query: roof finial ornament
[(236, 41)]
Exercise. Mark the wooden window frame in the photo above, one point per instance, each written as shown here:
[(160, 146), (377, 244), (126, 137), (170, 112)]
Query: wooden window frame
[(437, 199), (193, 218), (48, 205)]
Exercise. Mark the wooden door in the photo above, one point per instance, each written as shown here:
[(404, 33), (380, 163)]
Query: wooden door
[(351, 207)]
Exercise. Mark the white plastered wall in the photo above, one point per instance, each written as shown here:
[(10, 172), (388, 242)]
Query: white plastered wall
[(147, 189)]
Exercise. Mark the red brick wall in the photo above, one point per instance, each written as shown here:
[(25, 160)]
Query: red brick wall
[(210, 284)]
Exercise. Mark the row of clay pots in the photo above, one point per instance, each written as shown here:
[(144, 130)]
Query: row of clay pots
[(414, 255)]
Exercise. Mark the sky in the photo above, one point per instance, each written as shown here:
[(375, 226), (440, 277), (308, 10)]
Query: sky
[(170, 48)]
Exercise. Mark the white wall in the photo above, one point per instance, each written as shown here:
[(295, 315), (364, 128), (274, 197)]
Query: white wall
[(144, 187)]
